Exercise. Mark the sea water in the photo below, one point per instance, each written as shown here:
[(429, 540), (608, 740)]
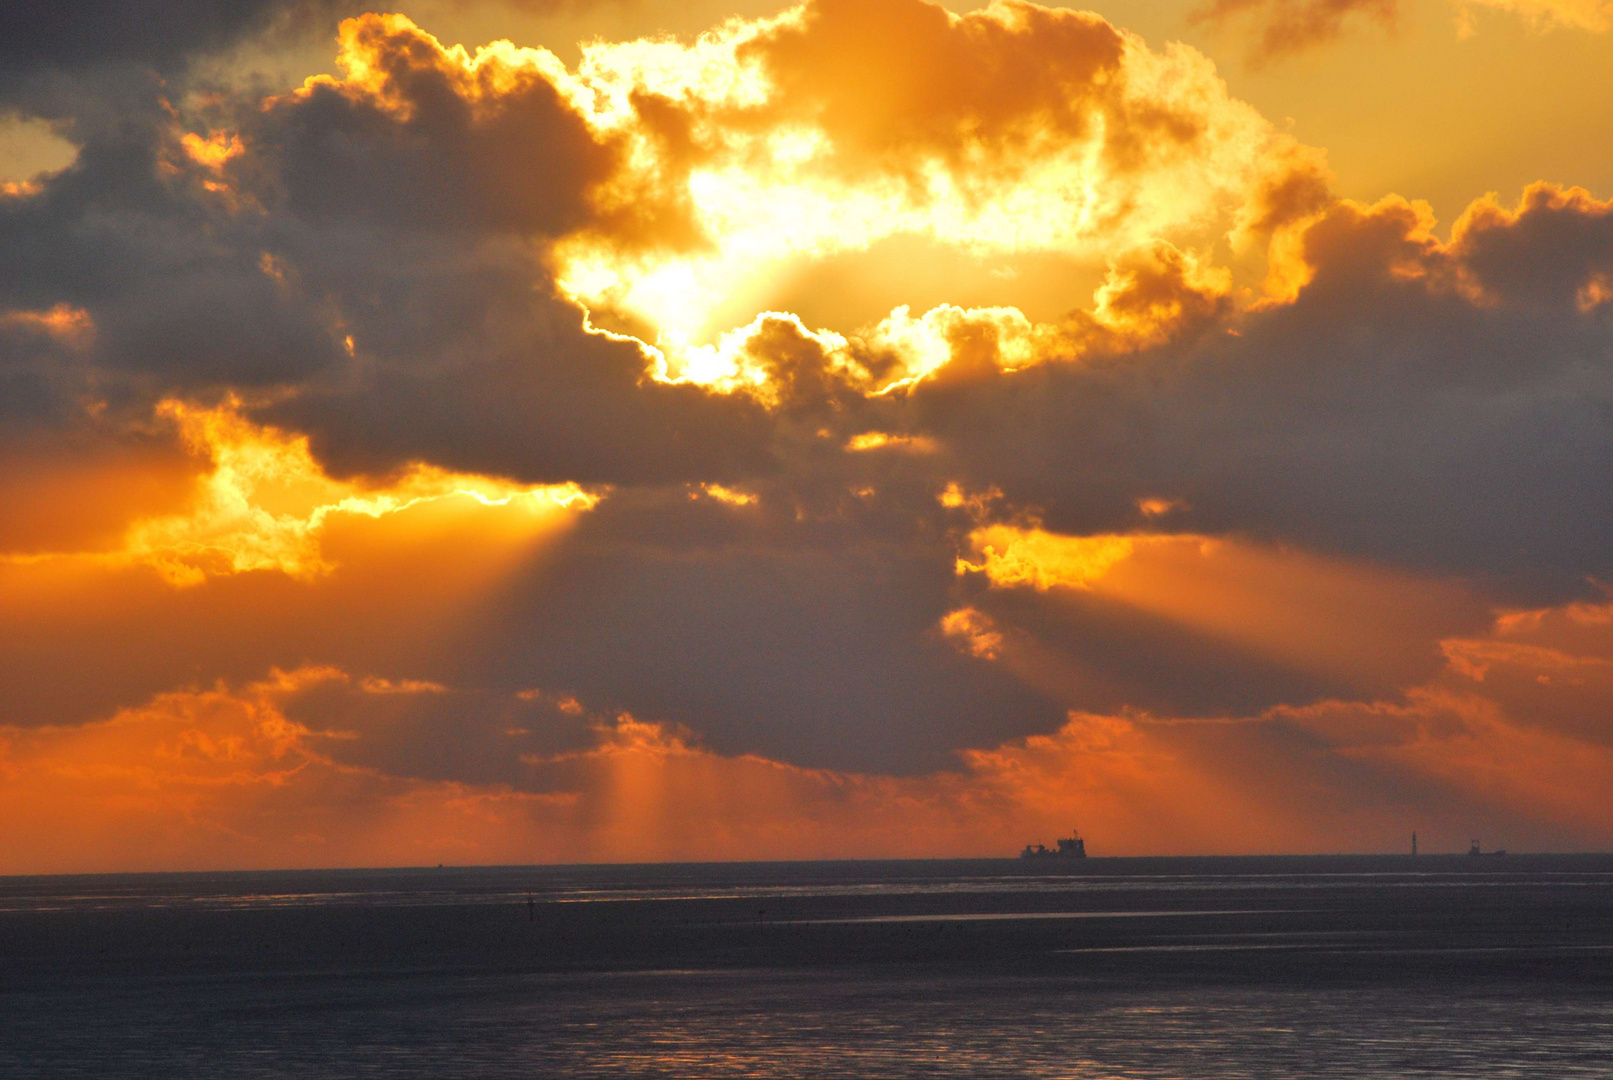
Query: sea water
[(1343, 967)]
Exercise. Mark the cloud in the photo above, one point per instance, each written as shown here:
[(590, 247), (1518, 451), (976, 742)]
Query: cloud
[(1434, 404), (777, 140), (155, 568), (421, 135), (1554, 249), (1289, 26), (479, 193), (1190, 625), (454, 384), (1284, 27), (205, 272), (1592, 15), (44, 37), (1523, 755), (222, 777), (263, 503), (254, 775)]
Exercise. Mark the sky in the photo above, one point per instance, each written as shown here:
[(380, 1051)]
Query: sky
[(508, 431)]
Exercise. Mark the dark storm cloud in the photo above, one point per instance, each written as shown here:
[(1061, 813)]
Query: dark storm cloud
[(29, 358), (424, 146), (463, 359), (172, 282), (430, 732), (50, 35), (1449, 409), (77, 61), (823, 654), (127, 233), (818, 652)]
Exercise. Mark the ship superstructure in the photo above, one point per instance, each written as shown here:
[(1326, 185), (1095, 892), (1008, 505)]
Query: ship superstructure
[(1071, 847)]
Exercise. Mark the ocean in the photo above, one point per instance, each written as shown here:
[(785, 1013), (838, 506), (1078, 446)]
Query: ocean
[(1335, 967)]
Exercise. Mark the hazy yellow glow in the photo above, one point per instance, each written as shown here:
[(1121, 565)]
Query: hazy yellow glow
[(1315, 614), (29, 149)]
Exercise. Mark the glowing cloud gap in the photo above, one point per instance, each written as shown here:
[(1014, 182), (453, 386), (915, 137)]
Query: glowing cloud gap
[(1096, 144)]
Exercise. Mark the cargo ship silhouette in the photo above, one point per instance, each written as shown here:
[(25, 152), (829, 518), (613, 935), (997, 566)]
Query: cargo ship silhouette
[(1072, 847)]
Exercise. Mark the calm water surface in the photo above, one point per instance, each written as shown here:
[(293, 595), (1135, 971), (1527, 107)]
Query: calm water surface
[(1118, 968)]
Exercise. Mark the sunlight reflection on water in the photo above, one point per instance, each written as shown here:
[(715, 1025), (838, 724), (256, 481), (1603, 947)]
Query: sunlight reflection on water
[(749, 1024), (1327, 969)]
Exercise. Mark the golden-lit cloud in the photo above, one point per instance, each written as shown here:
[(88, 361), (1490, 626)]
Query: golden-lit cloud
[(212, 152), (715, 163), (1549, 251), (974, 630), (1009, 555), (1098, 145), (1489, 240), (755, 358), (879, 440), (1154, 506), (1146, 298), (68, 324), (730, 496), (264, 502)]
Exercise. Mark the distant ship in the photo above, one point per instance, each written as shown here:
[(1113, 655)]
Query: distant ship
[(1474, 850), (1072, 847)]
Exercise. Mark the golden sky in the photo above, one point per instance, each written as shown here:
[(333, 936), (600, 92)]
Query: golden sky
[(487, 431)]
